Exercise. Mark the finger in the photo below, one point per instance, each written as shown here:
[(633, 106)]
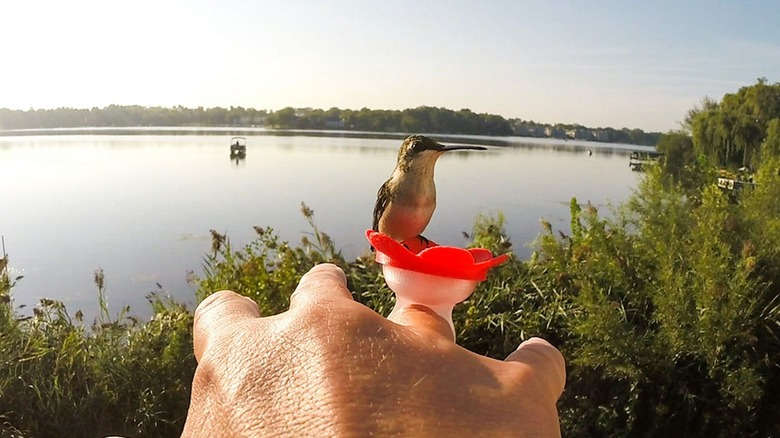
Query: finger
[(218, 312), (422, 320), (322, 283), (545, 360)]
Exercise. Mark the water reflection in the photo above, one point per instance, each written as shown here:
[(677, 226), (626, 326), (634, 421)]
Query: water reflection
[(479, 140), (123, 202), (238, 161)]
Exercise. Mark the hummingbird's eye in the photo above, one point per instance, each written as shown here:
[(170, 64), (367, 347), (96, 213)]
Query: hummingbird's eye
[(418, 146)]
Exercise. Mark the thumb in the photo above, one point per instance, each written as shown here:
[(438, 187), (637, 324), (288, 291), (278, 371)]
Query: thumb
[(546, 361)]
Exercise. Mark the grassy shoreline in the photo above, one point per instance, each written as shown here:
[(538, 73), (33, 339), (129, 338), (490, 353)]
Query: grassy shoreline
[(648, 304)]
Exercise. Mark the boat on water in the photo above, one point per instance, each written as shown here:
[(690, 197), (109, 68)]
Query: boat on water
[(238, 147)]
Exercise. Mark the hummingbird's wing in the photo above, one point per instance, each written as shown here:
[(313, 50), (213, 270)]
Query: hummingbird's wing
[(382, 199)]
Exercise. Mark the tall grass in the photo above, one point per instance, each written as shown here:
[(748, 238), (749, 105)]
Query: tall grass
[(60, 377)]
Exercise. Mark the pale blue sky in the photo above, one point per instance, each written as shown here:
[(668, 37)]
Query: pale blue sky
[(636, 64)]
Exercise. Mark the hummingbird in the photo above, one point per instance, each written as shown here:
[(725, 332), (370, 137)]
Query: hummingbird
[(405, 202)]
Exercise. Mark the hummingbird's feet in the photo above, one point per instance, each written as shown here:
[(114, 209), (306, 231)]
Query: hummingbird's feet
[(418, 243)]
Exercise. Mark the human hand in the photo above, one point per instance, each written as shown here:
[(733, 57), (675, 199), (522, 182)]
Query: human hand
[(330, 366)]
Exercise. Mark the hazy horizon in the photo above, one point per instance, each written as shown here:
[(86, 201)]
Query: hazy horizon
[(597, 64), (326, 108)]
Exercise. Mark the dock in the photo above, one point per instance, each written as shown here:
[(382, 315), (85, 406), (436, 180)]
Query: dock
[(638, 160)]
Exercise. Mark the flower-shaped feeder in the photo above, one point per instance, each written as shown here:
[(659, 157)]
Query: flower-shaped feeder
[(437, 277)]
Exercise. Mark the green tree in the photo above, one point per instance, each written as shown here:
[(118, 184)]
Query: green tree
[(770, 148), (679, 161), (731, 132), (416, 120), (284, 118), (706, 104)]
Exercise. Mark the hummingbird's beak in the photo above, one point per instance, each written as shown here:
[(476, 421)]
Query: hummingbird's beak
[(460, 148)]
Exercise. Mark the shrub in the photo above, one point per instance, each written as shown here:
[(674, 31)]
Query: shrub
[(672, 314)]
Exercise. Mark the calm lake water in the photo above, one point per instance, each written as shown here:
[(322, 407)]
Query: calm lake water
[(141, 206)]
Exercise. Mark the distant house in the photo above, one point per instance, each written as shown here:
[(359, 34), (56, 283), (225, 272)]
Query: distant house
[(579, 133), (302, 112)]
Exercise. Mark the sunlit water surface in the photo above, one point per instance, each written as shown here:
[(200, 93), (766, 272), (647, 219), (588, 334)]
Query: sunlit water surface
[(141, 206)]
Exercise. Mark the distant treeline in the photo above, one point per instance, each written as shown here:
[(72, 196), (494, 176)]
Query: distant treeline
[(421, 119)]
